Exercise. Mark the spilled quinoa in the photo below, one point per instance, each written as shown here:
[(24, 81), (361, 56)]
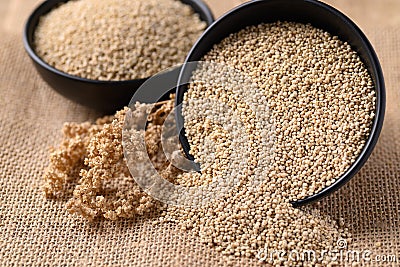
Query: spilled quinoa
[(245, 224), (289, 111)]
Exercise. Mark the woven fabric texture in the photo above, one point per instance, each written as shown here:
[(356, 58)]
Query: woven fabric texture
[(35, 231)]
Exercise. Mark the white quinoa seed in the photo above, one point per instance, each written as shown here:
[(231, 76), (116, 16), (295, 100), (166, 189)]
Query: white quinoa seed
[(117, 39), (320, 98)]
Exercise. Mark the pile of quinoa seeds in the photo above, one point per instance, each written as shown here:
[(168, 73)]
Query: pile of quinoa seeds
[(117, 39), (278, 110)]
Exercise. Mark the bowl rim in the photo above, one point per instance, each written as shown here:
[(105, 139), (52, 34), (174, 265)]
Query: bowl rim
[(47, 5), (376, 126)]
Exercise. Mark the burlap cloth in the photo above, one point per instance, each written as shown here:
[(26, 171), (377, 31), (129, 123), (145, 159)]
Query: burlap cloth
[(35, 231)]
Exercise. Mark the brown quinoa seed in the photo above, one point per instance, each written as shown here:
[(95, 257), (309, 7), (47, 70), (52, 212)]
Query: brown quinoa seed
[(89, 168)]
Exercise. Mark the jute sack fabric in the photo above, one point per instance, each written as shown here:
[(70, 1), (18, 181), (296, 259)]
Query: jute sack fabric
[(39, 232)]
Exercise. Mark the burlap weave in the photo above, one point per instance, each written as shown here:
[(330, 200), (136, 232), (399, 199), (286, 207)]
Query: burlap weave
[(35, 231)]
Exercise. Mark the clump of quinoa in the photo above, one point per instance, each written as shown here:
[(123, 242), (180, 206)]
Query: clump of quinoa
[(68, 159), (117, 39), (89, 169)]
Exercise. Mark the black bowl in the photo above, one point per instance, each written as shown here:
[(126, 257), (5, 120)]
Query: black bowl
[(105, 96), (317, 14)]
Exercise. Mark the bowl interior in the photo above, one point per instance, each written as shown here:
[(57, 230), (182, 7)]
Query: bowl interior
[(317, 14)]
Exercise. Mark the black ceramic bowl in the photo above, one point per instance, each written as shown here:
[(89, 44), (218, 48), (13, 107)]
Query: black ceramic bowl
[(106, 96), (317, 14)]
